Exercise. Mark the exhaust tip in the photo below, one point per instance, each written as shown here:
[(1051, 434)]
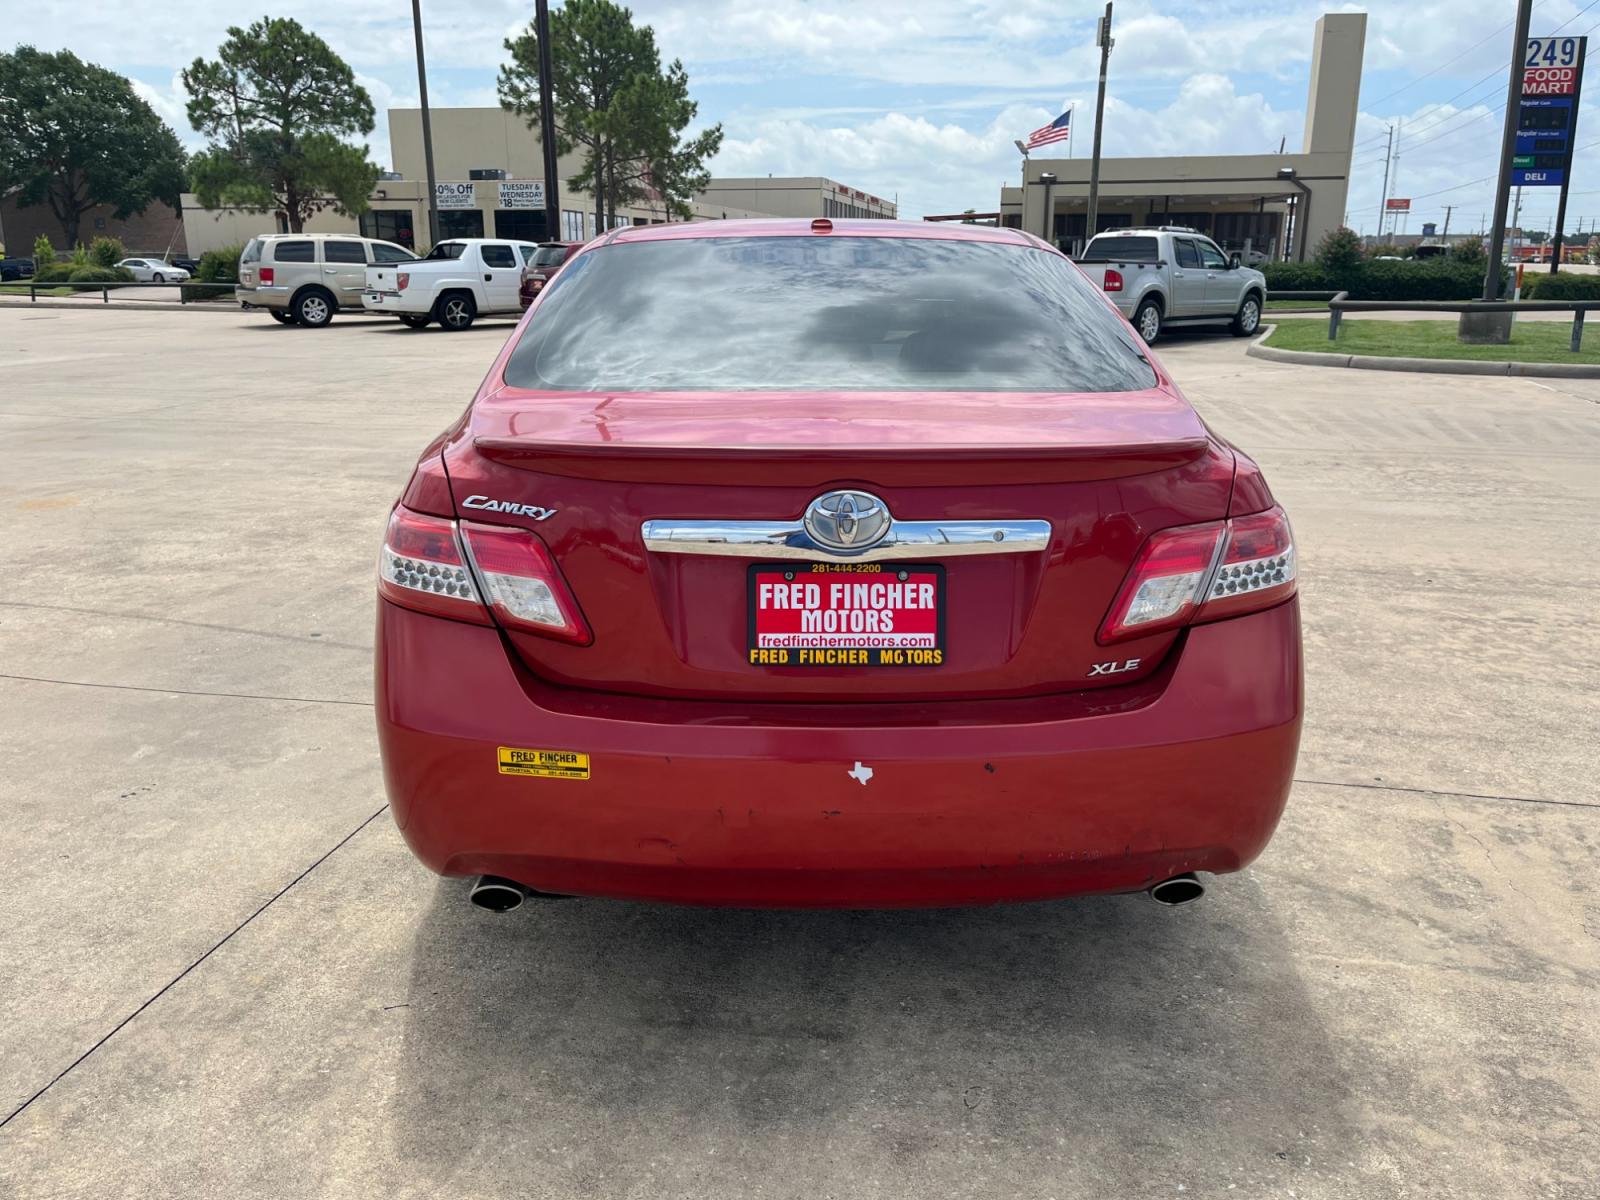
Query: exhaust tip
[(496, 894), (1180, 889)]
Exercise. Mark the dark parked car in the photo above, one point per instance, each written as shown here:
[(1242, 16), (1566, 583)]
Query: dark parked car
[(16, 268), (545, 262)]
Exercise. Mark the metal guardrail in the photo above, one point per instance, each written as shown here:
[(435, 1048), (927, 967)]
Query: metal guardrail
[(105, 289), (1341, 304)]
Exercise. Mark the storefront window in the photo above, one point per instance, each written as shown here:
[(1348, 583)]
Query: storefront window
[(390, 226)]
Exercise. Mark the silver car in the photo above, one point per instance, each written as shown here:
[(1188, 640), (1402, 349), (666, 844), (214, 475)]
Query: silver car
[(1174, 275), (304, 278), (153, 270)]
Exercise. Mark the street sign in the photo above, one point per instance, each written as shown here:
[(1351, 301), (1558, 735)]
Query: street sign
[(1397, 204)]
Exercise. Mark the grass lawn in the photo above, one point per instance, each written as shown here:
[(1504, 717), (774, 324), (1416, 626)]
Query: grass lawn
[(21, 289), (1297, 306), (1531, 341)]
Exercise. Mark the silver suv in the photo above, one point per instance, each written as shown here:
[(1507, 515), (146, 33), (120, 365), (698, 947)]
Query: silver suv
[(304, 278), (1174, 275)]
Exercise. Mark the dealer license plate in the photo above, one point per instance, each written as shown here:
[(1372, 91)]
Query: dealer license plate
[(846, 615)]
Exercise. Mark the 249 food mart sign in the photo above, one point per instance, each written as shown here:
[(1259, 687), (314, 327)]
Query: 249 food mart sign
[(1552, 85)]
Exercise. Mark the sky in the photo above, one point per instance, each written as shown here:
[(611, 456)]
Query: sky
[(920, 99)]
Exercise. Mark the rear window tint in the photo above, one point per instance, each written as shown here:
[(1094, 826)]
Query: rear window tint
[(252, 251), (447, 250), (344, 252), (1187, 254), (499, 256), (825, 314), (549, 256), (1121, 249), (293, 252)]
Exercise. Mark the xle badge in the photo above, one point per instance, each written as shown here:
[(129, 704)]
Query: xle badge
[(1114, 668), (542, 764)]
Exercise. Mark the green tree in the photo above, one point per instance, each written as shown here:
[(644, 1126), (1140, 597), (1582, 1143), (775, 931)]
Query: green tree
[(74, 136), (276, 103), (1339, 251), (614, 99)]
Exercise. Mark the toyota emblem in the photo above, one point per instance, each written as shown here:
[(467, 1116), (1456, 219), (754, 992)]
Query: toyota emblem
[(847, 521)]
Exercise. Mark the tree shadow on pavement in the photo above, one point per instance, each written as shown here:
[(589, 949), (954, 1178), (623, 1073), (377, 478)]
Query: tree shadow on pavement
[(1104, 1044)]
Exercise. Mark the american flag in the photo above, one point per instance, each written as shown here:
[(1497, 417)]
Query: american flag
[(1057, 131)]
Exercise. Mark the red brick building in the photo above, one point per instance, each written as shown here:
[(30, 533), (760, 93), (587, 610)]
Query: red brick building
[(156, 231)]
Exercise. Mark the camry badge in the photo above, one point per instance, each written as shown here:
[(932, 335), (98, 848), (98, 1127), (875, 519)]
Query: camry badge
[(847, 520)]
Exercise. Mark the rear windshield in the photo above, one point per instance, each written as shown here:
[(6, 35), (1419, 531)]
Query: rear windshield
[(448, 250), (1120, 249), (549, 256), (824, 314)]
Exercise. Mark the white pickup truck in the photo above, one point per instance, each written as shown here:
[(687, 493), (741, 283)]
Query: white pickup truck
[(460, 280), (1174, 275)]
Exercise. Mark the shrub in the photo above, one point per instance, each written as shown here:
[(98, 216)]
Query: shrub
[(100, 275), (1339, 250), (43, 252), (1469, 252), (1563, 285), (51, 272), (107, 252), (216, 266), (1297, 277)]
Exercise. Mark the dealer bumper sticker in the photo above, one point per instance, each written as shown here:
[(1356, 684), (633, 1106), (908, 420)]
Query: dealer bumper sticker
[(542, 764)]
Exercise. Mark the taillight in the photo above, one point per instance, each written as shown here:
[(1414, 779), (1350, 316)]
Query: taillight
[(266, 276), (402, 278), (1203, 573), (421, 567), (1113, 280), (524, 586), (1257, 568)]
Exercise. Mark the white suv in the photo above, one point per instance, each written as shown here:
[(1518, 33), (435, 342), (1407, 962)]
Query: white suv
[(304, 278)]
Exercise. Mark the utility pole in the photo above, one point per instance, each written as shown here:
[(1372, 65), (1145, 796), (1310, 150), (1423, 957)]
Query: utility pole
[(427, 127), (1508, 149), (547, 126), (1104, 40), (1383, 200), (1445, 236)]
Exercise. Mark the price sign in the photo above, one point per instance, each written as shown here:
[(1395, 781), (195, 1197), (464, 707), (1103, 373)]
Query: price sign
[(1552, 83)]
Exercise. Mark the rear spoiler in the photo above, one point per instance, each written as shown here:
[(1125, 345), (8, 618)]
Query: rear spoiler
[(814, 466)]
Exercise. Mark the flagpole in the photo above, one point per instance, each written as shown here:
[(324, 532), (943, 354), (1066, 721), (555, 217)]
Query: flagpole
[(1070, 115)]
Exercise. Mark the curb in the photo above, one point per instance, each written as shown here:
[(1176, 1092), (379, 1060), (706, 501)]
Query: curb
[(121, 305), (1418, 366)]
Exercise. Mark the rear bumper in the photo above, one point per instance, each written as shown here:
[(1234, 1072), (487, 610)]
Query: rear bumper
[(715, 803), (262, 297)]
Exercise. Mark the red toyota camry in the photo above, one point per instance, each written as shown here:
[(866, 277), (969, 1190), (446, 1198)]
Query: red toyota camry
[(834, 563)]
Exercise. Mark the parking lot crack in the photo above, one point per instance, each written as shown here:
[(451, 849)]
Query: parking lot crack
[(181, 975), (1446, 792), (134, 687)]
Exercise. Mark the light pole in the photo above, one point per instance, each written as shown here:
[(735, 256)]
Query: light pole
[(1104, 40), (427, 127), (1048, 179), (547, 125)]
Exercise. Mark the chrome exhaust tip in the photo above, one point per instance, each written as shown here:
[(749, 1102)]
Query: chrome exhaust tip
[(496, 894), (1180, 889)]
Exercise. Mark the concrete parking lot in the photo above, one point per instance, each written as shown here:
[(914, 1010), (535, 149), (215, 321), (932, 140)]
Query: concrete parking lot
[(222, 974)]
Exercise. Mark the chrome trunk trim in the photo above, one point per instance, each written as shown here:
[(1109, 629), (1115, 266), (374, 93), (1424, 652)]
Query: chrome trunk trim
[(789, 539)]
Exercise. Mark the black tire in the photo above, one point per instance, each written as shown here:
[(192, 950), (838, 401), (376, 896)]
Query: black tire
[(455, 311), (1147, 320), (281, 316), (1247, 321), (415, 320), (313, 308), (158, 277)]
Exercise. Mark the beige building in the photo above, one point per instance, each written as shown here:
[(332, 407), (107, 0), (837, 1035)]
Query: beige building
[(1281, 204), (489, 172)]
